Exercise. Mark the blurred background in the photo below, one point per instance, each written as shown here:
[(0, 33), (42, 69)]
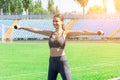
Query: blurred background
[(79, 14), (37, 9)]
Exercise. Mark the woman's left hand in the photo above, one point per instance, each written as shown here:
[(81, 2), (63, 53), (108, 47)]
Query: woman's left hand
[(100, 32)]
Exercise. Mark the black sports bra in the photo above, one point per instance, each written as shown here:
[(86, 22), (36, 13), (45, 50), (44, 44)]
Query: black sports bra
[(57, 42)]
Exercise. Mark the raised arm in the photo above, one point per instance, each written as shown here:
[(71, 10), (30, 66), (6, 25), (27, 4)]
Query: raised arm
[(84, 32), (35, 30)]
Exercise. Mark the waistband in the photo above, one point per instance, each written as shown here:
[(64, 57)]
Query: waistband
[(63, 57)]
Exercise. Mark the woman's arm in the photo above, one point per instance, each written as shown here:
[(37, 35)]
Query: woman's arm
[(35, 30), (84, 32)]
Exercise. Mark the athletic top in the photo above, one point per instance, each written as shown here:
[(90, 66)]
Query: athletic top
[(57, 42)]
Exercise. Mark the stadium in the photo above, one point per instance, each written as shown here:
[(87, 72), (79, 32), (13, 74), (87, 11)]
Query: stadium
[(24, 55)]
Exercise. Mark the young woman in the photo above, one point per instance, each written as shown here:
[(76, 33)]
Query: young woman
[(58, 62)]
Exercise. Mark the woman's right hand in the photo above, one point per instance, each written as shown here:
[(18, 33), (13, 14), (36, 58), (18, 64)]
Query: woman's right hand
[(16, 27)]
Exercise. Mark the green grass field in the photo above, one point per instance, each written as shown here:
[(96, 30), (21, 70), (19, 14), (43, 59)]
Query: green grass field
[(88, 60)]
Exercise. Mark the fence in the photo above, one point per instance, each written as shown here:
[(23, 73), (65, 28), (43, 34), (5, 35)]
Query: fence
[(67, 16)]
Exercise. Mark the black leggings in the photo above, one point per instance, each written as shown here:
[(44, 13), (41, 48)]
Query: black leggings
[(59, 65)]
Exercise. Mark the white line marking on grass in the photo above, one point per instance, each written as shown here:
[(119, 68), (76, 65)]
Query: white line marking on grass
[(113, 63), (23, 74), (115, 78)]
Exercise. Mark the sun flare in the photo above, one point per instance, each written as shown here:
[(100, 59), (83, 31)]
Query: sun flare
[(110, 6)]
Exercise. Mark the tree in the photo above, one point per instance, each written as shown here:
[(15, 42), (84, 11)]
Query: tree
[(38, 8), (38, 3), (56, 9), (16, 6), (83, 4), (51, 6), (117, 5), (96, 9), (1, 3), (1, 6), (26, 4), (9, 6)]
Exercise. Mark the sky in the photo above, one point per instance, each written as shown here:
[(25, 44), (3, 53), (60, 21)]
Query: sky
[(71, 5)]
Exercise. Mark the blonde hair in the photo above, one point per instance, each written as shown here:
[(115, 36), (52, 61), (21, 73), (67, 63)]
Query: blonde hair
[(61, 18)]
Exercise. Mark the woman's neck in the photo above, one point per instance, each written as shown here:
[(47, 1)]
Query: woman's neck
[(59, 31)]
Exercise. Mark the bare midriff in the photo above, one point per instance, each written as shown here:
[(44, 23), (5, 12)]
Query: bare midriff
[(55, 52)]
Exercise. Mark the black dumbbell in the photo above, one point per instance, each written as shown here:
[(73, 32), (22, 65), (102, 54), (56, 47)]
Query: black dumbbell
[(15, 27)]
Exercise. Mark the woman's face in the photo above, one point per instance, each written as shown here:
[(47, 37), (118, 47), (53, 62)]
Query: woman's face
[(57, 23)]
